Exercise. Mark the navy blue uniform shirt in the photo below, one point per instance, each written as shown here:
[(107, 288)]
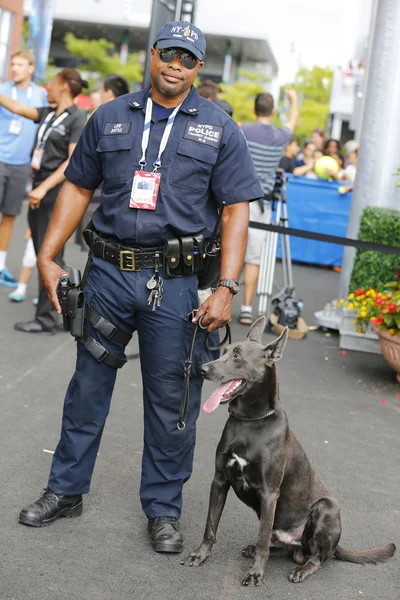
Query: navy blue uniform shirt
[(206, 162)]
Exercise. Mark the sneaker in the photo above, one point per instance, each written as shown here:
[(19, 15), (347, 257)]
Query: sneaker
[(245, 318), (7, 279), (35, 301), (16, 297)]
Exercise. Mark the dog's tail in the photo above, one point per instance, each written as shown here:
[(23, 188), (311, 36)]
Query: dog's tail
[(366, 556)]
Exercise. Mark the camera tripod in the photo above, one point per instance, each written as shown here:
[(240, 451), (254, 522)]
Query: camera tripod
[(268, 255)]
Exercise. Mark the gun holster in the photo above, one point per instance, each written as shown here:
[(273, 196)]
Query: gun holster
[(72, 301), (76, 313)]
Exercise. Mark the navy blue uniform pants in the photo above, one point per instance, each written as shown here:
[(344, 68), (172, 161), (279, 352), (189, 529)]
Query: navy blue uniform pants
[(164, 342)]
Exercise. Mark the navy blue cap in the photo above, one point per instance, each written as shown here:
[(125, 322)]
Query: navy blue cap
[(181, 34)]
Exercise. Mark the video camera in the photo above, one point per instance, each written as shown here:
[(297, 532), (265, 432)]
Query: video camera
[(278, 189), (287, 308)]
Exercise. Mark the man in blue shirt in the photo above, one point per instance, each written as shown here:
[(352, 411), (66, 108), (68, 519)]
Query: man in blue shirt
[(143, 276), (17, 136)]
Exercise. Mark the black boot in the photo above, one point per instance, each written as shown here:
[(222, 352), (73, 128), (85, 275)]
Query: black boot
[(165, 534), (49, 507)]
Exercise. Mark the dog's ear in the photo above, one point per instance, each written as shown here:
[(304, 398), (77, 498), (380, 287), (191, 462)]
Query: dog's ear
[(256, 330), (274, 350)]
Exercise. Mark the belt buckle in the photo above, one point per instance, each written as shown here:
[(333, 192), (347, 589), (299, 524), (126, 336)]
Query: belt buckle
[(129, 255)]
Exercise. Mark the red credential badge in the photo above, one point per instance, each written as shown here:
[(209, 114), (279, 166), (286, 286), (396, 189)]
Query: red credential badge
[(37, 158), (145, 190)]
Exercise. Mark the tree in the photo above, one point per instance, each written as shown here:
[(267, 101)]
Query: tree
[(99, 56), (314, 89), (241, 94)]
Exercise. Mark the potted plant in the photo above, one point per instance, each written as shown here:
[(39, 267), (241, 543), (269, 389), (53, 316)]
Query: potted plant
[(382, 311), (355, 334)]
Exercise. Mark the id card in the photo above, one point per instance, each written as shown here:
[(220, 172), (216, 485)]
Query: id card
[(15, 126), (37, 158), (145, 190)]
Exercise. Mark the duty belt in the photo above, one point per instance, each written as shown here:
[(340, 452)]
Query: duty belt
[(124, 257)]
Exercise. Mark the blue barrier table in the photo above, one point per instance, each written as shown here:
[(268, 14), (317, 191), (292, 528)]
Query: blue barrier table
[(316, 205)]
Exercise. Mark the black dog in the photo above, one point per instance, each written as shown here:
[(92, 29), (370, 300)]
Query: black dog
[(262, 460)]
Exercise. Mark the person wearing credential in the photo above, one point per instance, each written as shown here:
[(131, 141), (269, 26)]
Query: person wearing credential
[(17, 135), (58, 133), (198, 161)]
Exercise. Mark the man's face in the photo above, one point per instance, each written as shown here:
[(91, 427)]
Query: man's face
[(171, 79), (318, 139), (106, 95), (21, 70), (96, 99)]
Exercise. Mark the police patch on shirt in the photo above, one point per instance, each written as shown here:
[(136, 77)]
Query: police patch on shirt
[(117, 128), (204, 134)]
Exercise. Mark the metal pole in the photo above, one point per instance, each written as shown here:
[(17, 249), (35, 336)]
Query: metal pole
[(379, 155), (178, 10)]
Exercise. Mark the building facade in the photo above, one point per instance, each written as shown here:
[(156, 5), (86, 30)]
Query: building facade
[(122, 21)]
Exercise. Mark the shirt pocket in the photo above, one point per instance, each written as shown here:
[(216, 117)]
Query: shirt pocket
[(115, 158), (193, 165)]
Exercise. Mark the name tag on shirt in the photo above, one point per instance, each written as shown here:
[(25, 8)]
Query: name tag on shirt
[(145, 190), (117, 128), (204, 134), (15, 127)]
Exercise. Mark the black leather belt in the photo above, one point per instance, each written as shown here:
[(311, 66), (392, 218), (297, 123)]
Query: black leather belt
[(126, 258)]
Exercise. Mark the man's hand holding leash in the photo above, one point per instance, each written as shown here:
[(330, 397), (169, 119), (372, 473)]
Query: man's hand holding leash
[(234, 227)]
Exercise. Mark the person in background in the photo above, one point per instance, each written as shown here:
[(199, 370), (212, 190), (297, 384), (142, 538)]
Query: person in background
[(305, 166), (266, 144), (287, 162), (95, 98), (331, 147), (351, 169), (17, 135), (113, 87), (59, 130), (212, 91), (28, 264), (318, 137), (340, 161), (208, 89)]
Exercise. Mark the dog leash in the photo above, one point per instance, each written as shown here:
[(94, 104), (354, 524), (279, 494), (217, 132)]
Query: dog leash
[(269, 413), (188, 367)]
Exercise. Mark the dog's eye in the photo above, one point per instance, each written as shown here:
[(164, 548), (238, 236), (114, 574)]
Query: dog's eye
[(236, 356)]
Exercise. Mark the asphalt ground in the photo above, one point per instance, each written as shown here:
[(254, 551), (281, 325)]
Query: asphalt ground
[(344, 408)]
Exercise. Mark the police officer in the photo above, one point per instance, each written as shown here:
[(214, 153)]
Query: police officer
[(194, 158)]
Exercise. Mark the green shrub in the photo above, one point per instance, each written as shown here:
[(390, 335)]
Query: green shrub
[(374, 269)]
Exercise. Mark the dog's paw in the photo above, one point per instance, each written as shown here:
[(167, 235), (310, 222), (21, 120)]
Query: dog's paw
[(249, 551), (196, 558), (297, 575), (253, 577)]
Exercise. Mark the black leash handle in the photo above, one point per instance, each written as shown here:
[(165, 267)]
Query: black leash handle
[(188, 367)]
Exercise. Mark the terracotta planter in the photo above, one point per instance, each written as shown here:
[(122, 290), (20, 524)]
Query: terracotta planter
[(390, 346)]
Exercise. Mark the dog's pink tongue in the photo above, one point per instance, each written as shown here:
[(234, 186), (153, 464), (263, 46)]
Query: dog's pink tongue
[(216, 397)]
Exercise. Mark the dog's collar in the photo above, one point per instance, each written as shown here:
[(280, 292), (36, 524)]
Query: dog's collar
[(269, 413)]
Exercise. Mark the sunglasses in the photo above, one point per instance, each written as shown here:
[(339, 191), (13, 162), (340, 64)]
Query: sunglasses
[(188, 60)]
